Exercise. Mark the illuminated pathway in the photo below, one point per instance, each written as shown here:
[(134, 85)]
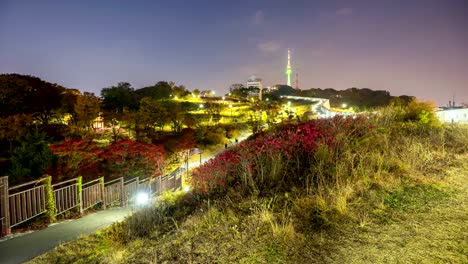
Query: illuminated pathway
[(27, 246)]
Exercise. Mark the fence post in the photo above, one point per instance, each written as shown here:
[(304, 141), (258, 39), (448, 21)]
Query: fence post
[(49, 200), (79, 188), (122, 201), (103, 194), (4, 207)]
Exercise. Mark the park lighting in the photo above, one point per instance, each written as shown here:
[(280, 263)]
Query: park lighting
[(186, 188), (142, 198), (268, 99), (201, 106), (223, 98), (344, 105), (176, 97)]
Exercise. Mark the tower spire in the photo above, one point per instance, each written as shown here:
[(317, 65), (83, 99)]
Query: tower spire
[(288, 68)]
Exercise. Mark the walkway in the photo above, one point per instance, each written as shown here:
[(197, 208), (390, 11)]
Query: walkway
[(25, 247)]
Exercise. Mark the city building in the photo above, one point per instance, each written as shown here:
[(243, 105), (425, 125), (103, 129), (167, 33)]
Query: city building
[(453, 114), (254, 82)]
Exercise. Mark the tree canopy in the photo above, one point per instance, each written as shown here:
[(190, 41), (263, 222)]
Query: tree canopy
[(24, 94)]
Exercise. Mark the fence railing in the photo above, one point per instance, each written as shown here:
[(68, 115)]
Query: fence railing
[(93, 193), (66, 197), (23, 202)]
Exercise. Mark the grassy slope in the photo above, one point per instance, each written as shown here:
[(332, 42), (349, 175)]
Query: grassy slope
[(432, 229), (418, 224)]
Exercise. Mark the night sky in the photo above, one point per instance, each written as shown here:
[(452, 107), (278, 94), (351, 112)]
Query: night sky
[(413, 47)]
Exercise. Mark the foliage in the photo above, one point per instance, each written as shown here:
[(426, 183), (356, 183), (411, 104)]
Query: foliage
[(132, 158), (123, 158), (211, 135), (51, 210), (32, 158), (23, 94), (116, 98), (14, 127), (161, 90), (86, 110), (75, 158), (358, 98)]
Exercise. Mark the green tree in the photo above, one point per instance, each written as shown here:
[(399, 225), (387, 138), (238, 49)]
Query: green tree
[(116, 98), (14, 127), (32, 158), (153, 113), (23, 94), (176, 114), (161, 90), (87, 108)]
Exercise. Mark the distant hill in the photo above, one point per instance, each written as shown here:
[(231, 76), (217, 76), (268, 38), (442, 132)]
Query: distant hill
[(362, 98)]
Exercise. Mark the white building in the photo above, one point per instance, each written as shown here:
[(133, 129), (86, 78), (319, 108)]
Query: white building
[(453, 115), (254, 81)]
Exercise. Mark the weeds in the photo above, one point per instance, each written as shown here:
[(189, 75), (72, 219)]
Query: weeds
[(323, 191)]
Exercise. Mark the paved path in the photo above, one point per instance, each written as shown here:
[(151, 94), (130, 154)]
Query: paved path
[(25, 247)]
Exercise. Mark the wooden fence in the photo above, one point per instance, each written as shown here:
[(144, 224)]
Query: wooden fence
[(23, 202)]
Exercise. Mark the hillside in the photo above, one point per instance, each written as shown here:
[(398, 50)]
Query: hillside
[(381, 189)]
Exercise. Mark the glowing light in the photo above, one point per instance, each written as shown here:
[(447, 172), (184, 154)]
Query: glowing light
[(344, 105), (186, 188), (142, 198), (223, 98), (230, 106), (201, 105)]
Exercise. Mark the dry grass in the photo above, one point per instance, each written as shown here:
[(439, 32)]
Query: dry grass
[(408, 205)]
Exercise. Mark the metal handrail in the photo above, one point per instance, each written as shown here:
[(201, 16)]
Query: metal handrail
[(98, 179), (109, 182), (67, 181), (25, 184), (131, 180)]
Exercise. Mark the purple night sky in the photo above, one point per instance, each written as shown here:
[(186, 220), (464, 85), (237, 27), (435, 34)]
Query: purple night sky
[(413, 47)]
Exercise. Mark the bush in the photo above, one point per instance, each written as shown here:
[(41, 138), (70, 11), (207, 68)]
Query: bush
[(31, 159)]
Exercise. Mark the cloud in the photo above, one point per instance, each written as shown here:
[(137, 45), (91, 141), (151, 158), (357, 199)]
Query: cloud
[(258, 17), (344, 11), (268, 47)]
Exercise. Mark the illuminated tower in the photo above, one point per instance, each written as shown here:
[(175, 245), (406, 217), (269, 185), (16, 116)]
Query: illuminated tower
[(288, 68)]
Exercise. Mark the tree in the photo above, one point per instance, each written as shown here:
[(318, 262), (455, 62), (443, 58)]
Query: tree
[(32, 158), (161, 90), (180, 91), (176, 114), (23, 94), (116, 98), (153, 113), (87, 109), (14, 127)]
